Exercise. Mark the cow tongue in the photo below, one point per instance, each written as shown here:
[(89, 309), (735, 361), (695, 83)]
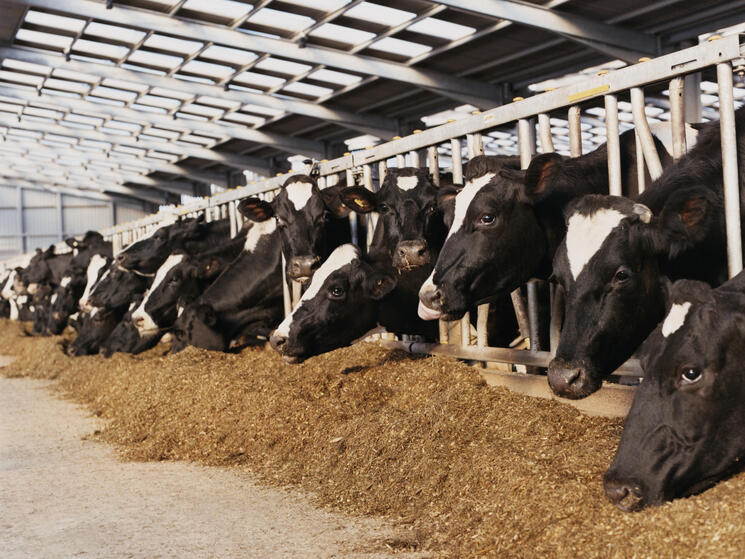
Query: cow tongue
[(425, 313)]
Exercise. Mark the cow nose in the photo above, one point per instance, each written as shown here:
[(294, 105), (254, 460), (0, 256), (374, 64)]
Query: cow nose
[(277, 341), (412, 254), (563, 378), (431, 297), (138, 321), (626, 495), (301, 268)]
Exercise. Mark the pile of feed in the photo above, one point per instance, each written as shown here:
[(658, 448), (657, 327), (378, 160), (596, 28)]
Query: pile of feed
[(468, 469)]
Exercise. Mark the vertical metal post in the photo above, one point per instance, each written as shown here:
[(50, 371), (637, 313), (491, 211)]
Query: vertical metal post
[(533, 315), (433, 164), (613, 144), (526, 140), (457, 158), (414, 158), (651, 157), (677, 116), (729, 168), (60, 217), (286, 299), (371, 219), (231, 219), (575, 131), (352, 215), (544, 132), (641, 175), (692, 97), (296, 293), (557, 315), (400, 160), (382, 170)]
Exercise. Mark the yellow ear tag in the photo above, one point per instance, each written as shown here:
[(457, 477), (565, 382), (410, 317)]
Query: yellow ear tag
[(360, 202)]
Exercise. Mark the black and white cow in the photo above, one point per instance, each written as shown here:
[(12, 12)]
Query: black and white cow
[(506, 223), (311, 222), (618, 254), (244, 302), (684, 431), (340, 304)]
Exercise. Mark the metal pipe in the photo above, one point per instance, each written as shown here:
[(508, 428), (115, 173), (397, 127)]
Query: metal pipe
[(651, 157), (443, 327), (526, 141), (296, 293), (433, 163), (370, 220), (534, 315), (575, 131), (414, 158), (400, 160), (729, 168), (677, 116), (641, 174), (557, 315), (544, 131), (286, 299), (613, 145), (382, 170), (465, 329), (457, 158)]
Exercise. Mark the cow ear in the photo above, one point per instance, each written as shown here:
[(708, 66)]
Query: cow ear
[(540, 172), (359, 199), (72, 242), (332, 199), (687, 218), (208, 268), (255, 209), (446, 202), (378, 284), (207, 315)]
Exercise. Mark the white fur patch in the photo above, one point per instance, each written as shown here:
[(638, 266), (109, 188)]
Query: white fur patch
[(342, 256), (675, 318), (91, 275), (586, 234), (65, 281), (140, 318), (54, 298), (7, 292), (299, 193), (464, 198), (406, 183), (257, 231), (13, 310)]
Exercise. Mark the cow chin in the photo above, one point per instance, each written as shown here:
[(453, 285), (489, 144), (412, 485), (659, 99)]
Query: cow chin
[(571, 380)]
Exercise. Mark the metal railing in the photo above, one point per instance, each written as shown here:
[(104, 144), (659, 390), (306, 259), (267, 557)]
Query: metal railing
[(421, 149)]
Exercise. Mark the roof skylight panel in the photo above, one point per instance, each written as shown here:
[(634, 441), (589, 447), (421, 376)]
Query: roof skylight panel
[(59, 138), (322, 5), (307, 89), (10, 108), (181, 46), (228, 55), (198, 139), (159, 155), (282, 66), (27, 67), (156, 59), (250, 108), (195, 79), (47, 113), (187, 116), (332, 76), (17, 77), (148, 108), (244, 118), (379, 14), (59, 42), (207, 69), (151, 138), (59, 93), (105, 100), (145, 69), (114, 93), (104, 50), (441, 28), (125, 85), (215, 102), (74, 76), (224, 9), (130, 150), (203, 110), (58, 22), (66, 85), (163, 92), (254, 78), (163, 133), (158, 101), (84, 119), (400, 47), (348, 35), (114, 33), (281, 20)]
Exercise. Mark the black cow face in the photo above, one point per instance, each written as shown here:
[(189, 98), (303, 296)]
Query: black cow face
[(147, 254), (116, 289), (198, 326), (38, 270), (684, 431), (93, 330), (125, 338), (338, 307), (410, 226), (609, 265), (495, 242), (304, 214), (83, 249), (64, 301)]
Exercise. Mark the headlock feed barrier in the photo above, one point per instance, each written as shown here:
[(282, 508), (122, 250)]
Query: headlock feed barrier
[(421, 149)]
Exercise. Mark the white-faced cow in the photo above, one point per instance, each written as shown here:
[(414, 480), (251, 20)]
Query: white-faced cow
[(617, 256), (311, 222), (684, 431)]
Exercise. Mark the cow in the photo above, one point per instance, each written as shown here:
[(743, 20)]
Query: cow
[(45, 270), (684, 430), (340, 304), (619, 255), (192, 235), (506, 223), (244, 302), (311, 222)]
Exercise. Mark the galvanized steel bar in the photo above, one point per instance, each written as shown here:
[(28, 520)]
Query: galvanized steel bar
[(433, 163), (651, 157), (544, 133), (641, 170), (457, 160), (677, 116), (729, 168), (613, 144), (286, 297), (575, 131)]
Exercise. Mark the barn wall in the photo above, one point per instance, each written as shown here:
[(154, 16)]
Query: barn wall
[(31, 218)]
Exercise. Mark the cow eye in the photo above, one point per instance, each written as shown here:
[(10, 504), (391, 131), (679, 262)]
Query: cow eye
[(383, 208), (487, 219), (280, 223), (622, 275), (336, 292), (690, 375)]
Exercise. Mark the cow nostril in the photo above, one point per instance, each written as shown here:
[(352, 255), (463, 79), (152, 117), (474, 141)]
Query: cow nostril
[(277, 342), (626, 496)]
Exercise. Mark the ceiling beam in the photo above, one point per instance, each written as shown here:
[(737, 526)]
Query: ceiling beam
[(233, 160), (470, 91), (28, 185), (609, 39), (291, 144), (378, 125)]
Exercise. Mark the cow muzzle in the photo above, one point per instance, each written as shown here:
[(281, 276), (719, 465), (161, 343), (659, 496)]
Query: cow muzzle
[(301, 268), (411, 254), (569, 380), (279, 344), (626, 495)]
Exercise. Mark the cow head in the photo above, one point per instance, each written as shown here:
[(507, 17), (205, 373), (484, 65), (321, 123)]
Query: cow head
[(125, 338), (684, 431), (495, 241), (93, 329), (116, 289), (38, 270), (197, 325), (610, 266), (83, 249), (410, 226), (338, 306), (303, 213), (145, 255), (64, 301)]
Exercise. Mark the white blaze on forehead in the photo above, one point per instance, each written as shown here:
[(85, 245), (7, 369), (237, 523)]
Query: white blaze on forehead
[(407, 183), (299, 193), (675, 318), (586, 234), (94, 267), (141, 319), (464, 198), (65, 281), (257, 231), (343, 255)]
